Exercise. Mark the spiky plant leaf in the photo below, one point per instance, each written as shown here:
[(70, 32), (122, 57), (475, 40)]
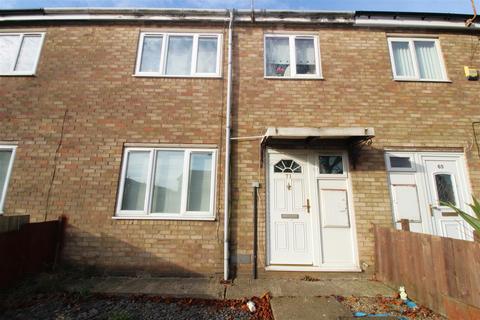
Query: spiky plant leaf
[(475, 207), (474, 222)]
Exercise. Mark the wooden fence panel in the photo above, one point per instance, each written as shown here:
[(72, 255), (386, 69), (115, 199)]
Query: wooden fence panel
[(430, 267), (32, 248)]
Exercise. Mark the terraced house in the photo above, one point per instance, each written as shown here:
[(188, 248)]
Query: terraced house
[(209, 141)]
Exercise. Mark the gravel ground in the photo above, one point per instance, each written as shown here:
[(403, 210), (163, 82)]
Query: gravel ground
[(391, 306), (124, 308)]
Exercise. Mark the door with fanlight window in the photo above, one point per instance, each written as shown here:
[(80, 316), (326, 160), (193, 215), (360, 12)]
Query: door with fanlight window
[(289, 223)]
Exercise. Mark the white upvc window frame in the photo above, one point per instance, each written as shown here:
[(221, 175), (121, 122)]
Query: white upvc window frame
[(342, 154), (3, 195), (408, 155), (293, 58), (413, 54), (12, 72), (184, 213), (164, 51)]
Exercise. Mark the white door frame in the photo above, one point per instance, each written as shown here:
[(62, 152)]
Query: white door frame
[(312, 177)]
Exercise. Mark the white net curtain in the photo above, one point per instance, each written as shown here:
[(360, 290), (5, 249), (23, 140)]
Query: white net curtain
[(278, 57)]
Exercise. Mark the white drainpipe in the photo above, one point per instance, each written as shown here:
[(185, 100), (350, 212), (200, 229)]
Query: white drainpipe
[(226, 197)]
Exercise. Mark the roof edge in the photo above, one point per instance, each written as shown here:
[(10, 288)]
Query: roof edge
[(357, 18)]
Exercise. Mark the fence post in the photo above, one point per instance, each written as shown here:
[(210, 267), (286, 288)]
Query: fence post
[(405, 224), (62, 220)]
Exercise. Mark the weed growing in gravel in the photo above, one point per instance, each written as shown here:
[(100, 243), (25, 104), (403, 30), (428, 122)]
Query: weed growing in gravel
[(119, 315)]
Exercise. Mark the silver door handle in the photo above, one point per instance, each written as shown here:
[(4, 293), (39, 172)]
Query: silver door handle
[(432, 207)]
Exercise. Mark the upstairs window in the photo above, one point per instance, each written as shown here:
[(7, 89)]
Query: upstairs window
[(7, 153), (167, 184), (416, 59), (19, 53), (179, 54), (292, 56)]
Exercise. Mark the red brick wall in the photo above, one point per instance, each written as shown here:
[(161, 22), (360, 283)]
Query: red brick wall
[(357, 91), (87, 70)]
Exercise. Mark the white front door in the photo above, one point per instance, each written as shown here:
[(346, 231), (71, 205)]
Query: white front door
[(335, 208), (446, 184), (290, 229)]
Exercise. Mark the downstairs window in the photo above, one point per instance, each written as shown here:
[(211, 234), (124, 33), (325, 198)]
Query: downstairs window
[(7, 153), (167, 184)]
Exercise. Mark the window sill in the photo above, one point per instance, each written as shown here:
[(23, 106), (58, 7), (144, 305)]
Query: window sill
[(17, 74), (293, 78), (422, 80), (150, 217), (176, 77)]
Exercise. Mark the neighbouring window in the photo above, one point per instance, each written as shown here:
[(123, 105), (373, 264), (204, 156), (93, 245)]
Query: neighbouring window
[(400, 162), (167, 183), (19, 53), (331, 165), (416, 59), (292, 56), (7, 154), (445, 192), (172, 54)]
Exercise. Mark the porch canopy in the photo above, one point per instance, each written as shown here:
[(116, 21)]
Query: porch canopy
[(352, 138)]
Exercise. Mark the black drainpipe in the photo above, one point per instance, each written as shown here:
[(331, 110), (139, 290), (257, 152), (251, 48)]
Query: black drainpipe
[(255, 186)]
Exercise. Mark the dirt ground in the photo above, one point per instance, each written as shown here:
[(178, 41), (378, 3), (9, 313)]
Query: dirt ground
[(45, 296), (72, 306), (388, 305)]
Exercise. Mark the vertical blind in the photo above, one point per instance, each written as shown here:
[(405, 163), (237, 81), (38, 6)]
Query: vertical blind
[(424, 52), (428, 60), (402, 59)]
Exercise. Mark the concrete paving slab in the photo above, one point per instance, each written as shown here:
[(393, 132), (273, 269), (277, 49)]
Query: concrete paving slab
[(206, 288), (211, 288), (299, 288), (299, 308)]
